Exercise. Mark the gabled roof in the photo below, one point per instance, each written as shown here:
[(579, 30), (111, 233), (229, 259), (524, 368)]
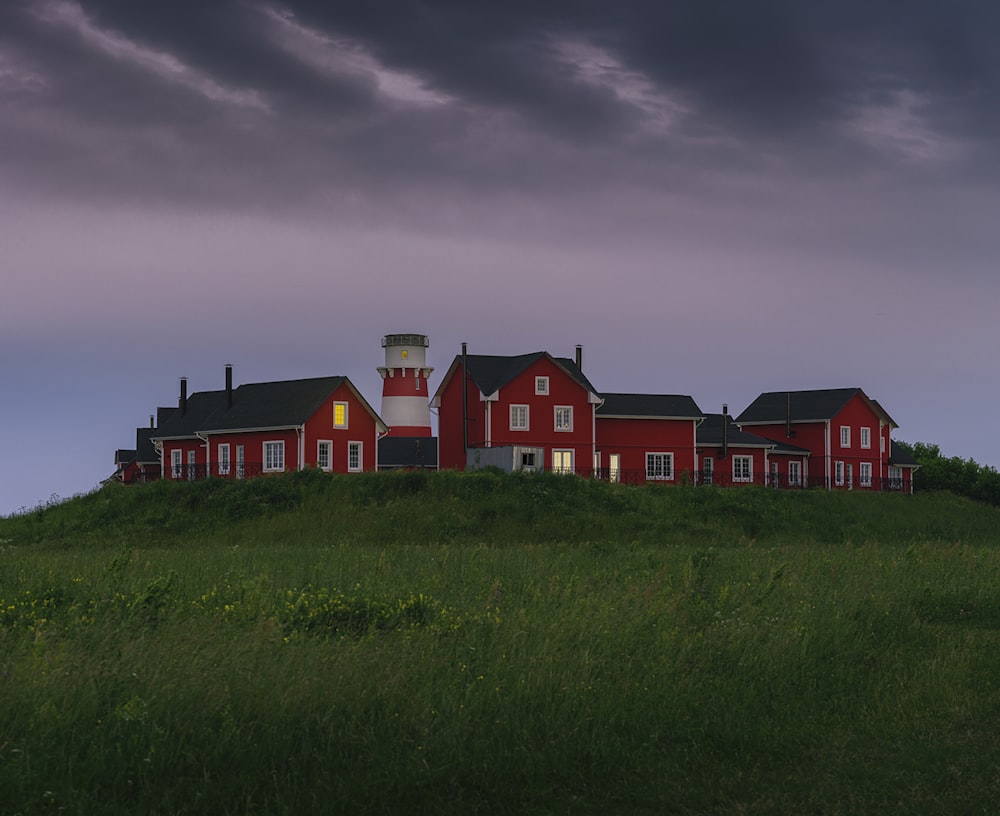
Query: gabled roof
[(124, 456), (491, 372), (283, 404), (648, 406), (805, 406), (144, 450), (899, 457), (709, 434)]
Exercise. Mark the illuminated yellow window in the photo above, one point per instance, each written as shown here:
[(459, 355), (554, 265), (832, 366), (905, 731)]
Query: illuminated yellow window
[(340, 415), (405, 353)]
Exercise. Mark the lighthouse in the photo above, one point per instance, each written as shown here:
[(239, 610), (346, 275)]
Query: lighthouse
[(405, 402)]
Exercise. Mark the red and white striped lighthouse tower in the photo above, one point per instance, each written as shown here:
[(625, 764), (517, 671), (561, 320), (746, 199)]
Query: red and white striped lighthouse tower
[(405, 402)]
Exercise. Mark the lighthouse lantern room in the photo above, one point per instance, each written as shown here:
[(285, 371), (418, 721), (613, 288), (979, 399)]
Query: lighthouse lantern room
[(405, 401)]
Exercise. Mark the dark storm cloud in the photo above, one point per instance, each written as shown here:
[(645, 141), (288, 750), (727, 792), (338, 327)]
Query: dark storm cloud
[(235, 101)]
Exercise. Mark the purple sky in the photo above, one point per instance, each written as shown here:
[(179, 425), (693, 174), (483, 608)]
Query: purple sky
[(713, 198)]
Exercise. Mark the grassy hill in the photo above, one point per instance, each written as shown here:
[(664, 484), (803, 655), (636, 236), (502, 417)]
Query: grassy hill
[(480, 643)]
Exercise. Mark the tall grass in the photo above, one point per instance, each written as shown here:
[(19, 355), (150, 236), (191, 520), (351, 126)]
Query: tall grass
[(490, 644)]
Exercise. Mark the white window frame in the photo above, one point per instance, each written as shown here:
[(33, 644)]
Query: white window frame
[(614, 467), (850, 476), (659, 466), (520, 417), (795, 474), (895, 475), (273, 455), (327, 445), (192, 464), (241, 461), (562, 460), (541, 386), (176, 463), (866, 437), (845, 436), (355, 457), (597, 464), (345, 406), (838, 473), (742, 469), (865, 474), (562, 418), (223, 455), (707, 470), (527, 459)]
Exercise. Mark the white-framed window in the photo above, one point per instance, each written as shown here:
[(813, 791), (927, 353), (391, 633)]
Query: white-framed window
[(845, 436), (562, 461), (192, 457), (519, 417), (865, 474), (838, 474), (527, 460), (742, 468), (324, 454), (597, 464), (564, 418), (707, 470), (224, 459), (895, 477), (354, 459), (241, 460), (659, 466), (866, 437), (340, 415), (614, 467), (541, 385), (176, 463), (850, 477), (795, 473), (274, 456)]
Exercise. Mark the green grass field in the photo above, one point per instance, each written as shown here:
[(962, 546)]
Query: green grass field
[(449, 643)]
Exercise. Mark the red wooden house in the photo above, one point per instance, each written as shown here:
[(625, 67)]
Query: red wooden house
[(271, 427), (846, 433), (728, 455), (647, 437), (526, 412)]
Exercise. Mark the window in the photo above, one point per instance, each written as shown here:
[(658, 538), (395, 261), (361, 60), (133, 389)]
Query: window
[(324, 450), (850, 477), (519, 417), (895, 478), (614, 467), (795, 474), (354, 460), (866, 437), (865, 474), (541, 385), (224, 459), (527, 461), (562, 461), (340, 415), (240, 462), (274, 456), (845, 436), (707, 470), (742, 468), (176, 460), (838, 473), (597, 464), (659, 466), (564, 418)]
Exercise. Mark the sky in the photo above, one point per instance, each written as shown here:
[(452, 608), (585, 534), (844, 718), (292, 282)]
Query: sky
[(712, 197)]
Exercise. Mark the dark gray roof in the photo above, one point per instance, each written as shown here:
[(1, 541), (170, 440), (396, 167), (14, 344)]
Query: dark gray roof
[(899, 456), (144, 450), (408, 452), (804, 406), (491, 372), (709, 434), (123, 456), (280, 404), (659, 406)]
